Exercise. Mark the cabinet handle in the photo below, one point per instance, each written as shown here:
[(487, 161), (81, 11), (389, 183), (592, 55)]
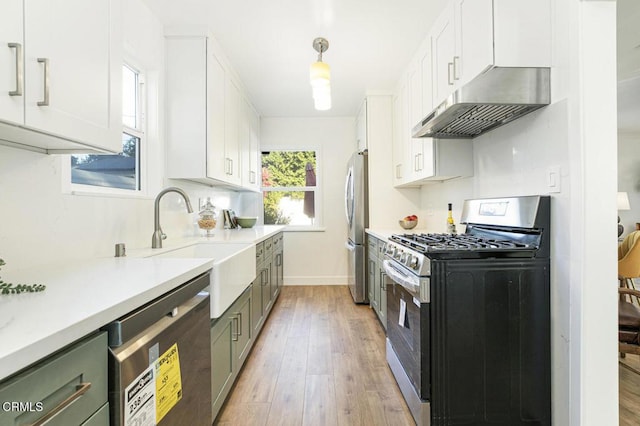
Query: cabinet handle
[(420, 161), (383, 286), (252, 177), (239, 317), (45, 101), (278, 259), (263, 280), (81, 389), (231, 166), (19, 69), (415, 163), (449, 72), (456, 59), (234, 334), (398, 171)]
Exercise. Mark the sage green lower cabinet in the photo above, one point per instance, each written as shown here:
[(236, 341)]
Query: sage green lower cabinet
[(235, 332), (269, 278), (231, 341), (377, 278), (278, 263), (222, 361), (68, 388)]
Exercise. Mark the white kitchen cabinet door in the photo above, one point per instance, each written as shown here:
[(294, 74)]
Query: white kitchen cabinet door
[(231, 132), (400, 151), (73, 70), (414, 100), (11, 51), (215, 141), (474, 38), (426, 79), (249, 146), (255, 175), (444, 47)]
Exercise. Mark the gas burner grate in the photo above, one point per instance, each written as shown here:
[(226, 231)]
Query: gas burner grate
[(430, 243)]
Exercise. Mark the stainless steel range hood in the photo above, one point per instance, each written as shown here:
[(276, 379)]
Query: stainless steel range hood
[(497, 96)]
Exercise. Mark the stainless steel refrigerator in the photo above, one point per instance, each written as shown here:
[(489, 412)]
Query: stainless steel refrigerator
[(357, 211)]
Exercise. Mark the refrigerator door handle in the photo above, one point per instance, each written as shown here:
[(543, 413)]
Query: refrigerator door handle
[(350, 246), (348, 197)]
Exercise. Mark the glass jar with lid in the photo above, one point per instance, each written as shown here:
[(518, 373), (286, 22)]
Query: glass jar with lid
[(207, 218)]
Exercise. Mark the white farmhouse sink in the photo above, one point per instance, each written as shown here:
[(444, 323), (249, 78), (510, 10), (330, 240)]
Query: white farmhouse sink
[(234, 269)]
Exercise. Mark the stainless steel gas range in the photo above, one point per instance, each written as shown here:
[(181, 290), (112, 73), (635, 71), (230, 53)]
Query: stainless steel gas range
[(468, 329)]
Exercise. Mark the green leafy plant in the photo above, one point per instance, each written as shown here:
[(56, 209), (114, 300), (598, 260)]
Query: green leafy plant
[(8, 288)]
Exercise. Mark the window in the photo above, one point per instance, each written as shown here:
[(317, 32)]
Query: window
[(120, 172), (290, 188)]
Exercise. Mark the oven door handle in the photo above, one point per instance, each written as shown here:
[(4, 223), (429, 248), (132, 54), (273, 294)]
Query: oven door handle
[(404, 280)]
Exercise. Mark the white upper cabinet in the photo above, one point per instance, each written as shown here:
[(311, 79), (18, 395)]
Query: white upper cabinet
[(11, 63), (443, 39), (474, 38), (232, 115), (250, 146), (472, 35), (401, 150), (209, 129), (60, 75)]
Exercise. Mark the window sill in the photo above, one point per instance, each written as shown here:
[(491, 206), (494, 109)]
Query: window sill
[(137, 196), (304, 229)]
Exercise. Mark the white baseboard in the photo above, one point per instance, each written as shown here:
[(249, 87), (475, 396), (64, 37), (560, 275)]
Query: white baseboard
[(322, 280)]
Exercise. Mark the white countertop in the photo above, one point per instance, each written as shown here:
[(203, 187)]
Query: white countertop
[(240, 235), (86, 295)]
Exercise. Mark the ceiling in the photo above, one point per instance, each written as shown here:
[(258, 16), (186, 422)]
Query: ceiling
[(269, 43), (371, 42)]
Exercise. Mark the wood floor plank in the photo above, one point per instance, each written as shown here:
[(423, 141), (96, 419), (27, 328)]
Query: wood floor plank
[(319, 401), (288, 399)]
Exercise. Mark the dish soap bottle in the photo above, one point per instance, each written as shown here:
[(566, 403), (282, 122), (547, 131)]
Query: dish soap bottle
[(451, 225)]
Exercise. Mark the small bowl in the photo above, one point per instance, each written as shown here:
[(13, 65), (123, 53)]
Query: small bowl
[(408, 224), (246, 222)]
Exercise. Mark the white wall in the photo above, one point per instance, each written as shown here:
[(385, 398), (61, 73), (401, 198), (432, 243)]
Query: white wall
[(577, 134), (40, 223), (316, 257), (629, 178)]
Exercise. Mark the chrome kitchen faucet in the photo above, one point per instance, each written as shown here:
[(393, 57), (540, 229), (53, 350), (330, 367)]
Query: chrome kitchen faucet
[(158, 235)]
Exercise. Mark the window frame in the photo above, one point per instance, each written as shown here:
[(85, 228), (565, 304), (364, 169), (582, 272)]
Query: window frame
[(318, 221), (138, 132)]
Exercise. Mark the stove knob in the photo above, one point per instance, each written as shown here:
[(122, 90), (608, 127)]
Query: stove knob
[(413, 263), (397, 254)]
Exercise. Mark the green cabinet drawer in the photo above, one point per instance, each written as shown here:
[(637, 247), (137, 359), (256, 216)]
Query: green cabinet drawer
[(71, 384), (268, 248), (259, 253)]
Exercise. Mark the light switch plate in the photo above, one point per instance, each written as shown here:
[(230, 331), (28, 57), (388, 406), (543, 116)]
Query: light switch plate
[(553, 179)]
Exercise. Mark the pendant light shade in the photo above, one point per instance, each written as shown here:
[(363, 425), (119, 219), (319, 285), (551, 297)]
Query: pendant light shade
[(320, 74), (320, 77)]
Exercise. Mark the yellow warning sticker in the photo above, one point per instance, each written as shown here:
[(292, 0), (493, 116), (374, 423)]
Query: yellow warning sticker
[(168, 381)]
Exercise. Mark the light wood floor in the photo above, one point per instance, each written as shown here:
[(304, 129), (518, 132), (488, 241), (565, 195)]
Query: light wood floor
[(320, 360), (630, 392)]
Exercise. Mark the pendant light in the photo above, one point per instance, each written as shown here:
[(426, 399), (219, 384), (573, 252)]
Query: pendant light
[(320, 77)]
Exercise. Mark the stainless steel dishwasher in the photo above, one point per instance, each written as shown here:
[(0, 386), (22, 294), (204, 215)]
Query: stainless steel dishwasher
[(160, 360)]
